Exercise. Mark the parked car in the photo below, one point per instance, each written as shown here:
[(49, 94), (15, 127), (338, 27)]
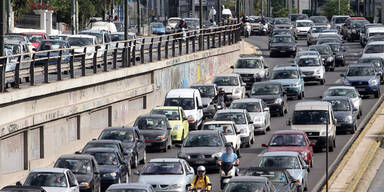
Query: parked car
[(156, 131), (177, 119), (291, 161), (52, 179), (158, 28), (46, 45), (131, 187), (36, 38), (273, 94), (20, 188), (313, 33), (251, 69), (364, 78), (326, 55), (292, 140), (302, 27), (167, 174), (347, 91), (207, 93), (291, 79), (203, 147), (282, 44), (312, 68), (85, 169), (228, 128), (257, 110), (232, 84), (21, 38), (249, 183), (243, 121)]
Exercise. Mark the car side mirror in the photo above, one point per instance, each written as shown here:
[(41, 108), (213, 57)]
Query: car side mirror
[(264, 145), (18, 183), (96, 172), (200, 107), (266, 67), (312, 144), (77, 152), (169, 128), (238, 132), (354, 109)]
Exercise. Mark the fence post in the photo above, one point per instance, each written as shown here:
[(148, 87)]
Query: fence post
[(142, 49), (128, 52), (46, 68), (94, 62), (166, 47), (134, 54), (193, 42), (105, 63), (173, 46), (187, 43), (219, 33), (115, 56), (71, 70), (224, 38), (150, 50), (159, 49), (3, 65), (213, 38), (32, 70), (83, 62), (58, 65), (180, 46), (17, 72), (208, 40)]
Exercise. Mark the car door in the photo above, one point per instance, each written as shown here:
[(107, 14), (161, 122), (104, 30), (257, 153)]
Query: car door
[(303, 167), (249, 123), (189, 172), (72, 181), (301, 80), (184, 120), (140, 145), (266, 113), (123, 166)]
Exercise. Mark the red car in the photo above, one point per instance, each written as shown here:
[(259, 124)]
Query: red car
[(36, 37), (292, 140)]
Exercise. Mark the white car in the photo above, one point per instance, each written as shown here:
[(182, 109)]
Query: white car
[(232, 84), (347, 91), (228, 128), (374, 49), (251, 68), (258, 111), (79, 42), (302, 27), (53, 180), (312, 68), (167, 174)]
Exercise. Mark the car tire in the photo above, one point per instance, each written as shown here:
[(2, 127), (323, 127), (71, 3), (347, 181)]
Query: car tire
[(300, 96), (377, 94), (281, 112), (170, 144), (360, 113), (306, 186), (135, 163), (353, 129), (322, 81)]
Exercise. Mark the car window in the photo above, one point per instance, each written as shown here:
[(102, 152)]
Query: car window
[(340, 105), (150, 123), (171, 114), (246, 186), (205, 91), (77, 166), (351, 93), (185, 103), (286, 162), (274, 176), (249, 106), (249, 64), (106, 158), (226, 81), (361, 71), (125, 136), (285, 74), (238, 118), (265, 89), (310, 117), (209, 140), (46, 179), (162, 168), (287, 140), (226, 129)]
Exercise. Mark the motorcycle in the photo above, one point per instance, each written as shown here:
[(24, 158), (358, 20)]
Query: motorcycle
[(247, 29), (227, 171)]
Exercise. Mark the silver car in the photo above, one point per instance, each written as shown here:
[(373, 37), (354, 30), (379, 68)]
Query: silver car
[(314, 32), (232, 84), (347, 91)]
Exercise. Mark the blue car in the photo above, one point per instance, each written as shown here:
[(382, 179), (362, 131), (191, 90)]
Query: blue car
[(345, 114), (290, 77), (158, 28), (50, 44), (364, 78)]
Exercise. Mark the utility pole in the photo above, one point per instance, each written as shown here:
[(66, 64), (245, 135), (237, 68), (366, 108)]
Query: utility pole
[(138, 16), (77, 17), (219, 11), (3, 23), (290, 6), (126, 19), (269, 8), (193, 8), (73, 17), (9, 22), (238, 10), (111, 10), (201, 13), (262, 8)]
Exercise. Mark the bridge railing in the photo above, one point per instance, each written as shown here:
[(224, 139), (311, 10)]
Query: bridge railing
[(28, 69)]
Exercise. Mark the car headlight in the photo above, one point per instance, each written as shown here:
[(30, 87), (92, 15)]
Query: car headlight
[(160, 137), (176, 127), (278, 100), (295, 84), (110, 174), (84, 184), (317, 71), (329, 25), (175, 186), (183, 156), (348, 118), (324, 133), (373, 81), (217, 155), (329, 59)]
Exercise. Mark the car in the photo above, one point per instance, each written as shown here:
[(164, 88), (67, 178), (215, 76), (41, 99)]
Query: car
[(296, 17), (102, 36), (347, 25), (313, 33), (203, 147), (158, 28), (228, 128), (21, 38), (354, 29), (328, 40), (251, 69), (320, 20), (347, 91), (141, 187), (370, 30), (167, 174), (304, 52), (36, 38), (282, 23), (191, 102), (282, 44), (377, 62), (20, 188), (79, 42), (52, 179), (243, 121), (302, 27), (249, 183), (292, 140), (374, 39), (337, 21), (289, 160), (315, 118), (207, 93), (172, 25), (364, 78), (232, 84), (281, 32), (258, 111), (63, 37), (280, 178), (291, 79), (156, 131), (177, 119), (46, 45), (374, 49), (119, 26), (345, 114), (14, 47), (85, 169), (102, 26), (326, 55), (192, 23), (113, 168), (131, 139), (256, 26), (338, 50), (312, 68), (273, 94)]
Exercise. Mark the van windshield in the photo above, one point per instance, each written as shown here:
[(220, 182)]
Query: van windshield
[(185, 103), (310, 117)]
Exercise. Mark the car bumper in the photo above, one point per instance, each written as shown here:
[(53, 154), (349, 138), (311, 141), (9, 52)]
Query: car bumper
[(176, 135), (104, 183), (312, 78), (367, 89), (156, 144), (283, 51), (275, 108), (292, 91), (302, 33), (343, 126)]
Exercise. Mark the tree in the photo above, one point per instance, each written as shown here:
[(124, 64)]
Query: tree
[(331, 8)]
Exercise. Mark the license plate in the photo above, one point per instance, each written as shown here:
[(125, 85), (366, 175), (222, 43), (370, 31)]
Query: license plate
[(282, 51), (200, 162), (246, 78), (360, 89)]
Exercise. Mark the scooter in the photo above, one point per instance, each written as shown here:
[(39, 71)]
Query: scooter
[(247, 29), (227, 171)]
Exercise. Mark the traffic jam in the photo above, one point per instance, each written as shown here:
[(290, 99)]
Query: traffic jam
[(266, 125)]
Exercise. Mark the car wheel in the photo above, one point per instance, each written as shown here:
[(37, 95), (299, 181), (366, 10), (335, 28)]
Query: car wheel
[(332, 69), (306, 187), (170, 144), (322, 82), (145, 157), (300, 96), (377, 94), (135, 162), (281, 113), (353, 129)]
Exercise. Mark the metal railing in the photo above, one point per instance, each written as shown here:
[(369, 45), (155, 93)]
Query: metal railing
[(70, 62)]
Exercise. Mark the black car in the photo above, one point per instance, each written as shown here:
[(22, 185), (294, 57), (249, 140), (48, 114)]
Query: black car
[(132, 140), (326, 55), (113, 168), (49, 44), (85, 169), (156, 131), (273, 95), (338, 51), (377, 62), (20, 188), (344, 112), (279, 177), (283, 44), (355, 27), (249, 183)]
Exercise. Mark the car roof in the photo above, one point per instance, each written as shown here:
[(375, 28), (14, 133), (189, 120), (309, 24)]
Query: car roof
[(285, 68), (218, 122), (106, 140), (304, 20), (355, 18), (228, 75), (183, 92), (280, 153), (360, 65), (289, 131), (342, 87), (376, 43), (50, 170), (100, 150), (204, 132), (130, 186), (166, 107), (283, 35), (375, 29), (76, 156), (157, 160), (54, 40), (231, 111), (247, 100), (249, 178), (83, 36), (203, 85), (313, 105), (152, 116), (250, 56), (267, 83)]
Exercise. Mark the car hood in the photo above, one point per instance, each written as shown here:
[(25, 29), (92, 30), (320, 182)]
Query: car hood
[(107, 169), (282, 44), (55, 189), (162, 179), (286, 81), (340, 115), (296, 173), (247, 71), (281, 187), (265, 96), (255, 114), (83, 178), (303, 28), (206, 100), (227, 89), (152, 133), (201, 150), (297, 149), (359, 78), (309, 69)]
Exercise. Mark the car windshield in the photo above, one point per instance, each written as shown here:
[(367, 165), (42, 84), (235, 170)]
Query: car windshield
[(321, 19), (298, 17), (106, 158), (285, 162), (162, 168), (102, 145), (376, 34), (286, 74), (226, 129), (340, 105), (77, 166), (249, 64), (358, 23), (265, 89), (203, 140), (46, 179), (281, 32), (15, 37), (51, 45), (374, 49), (150, 123), (173, 21), (245, 187), (126, 190), (238, 118), (185, 103), (335, 47), (361, 71), (206, 91), (282, 39), (15, 48), (377, 62), (157, 25), (171, 114), (35, 38), (282, 21), (249, 106), (310, 117), (375, 38), (76, 41), (342, 92), (226, 81), (273, 176), (339, 20), (125, 136), (303, 24), (287, 140), (318, 29), (99, 36), (323, 50), (192, 22)]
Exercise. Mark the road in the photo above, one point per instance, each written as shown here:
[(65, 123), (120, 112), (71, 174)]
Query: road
[(251, 155)]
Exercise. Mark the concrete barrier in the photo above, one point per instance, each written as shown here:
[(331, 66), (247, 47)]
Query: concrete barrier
[(37, 124)]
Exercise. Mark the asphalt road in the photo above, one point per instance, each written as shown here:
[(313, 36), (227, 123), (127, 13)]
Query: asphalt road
[(251, 155)]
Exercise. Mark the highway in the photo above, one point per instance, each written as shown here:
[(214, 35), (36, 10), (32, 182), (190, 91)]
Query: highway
[(249, 156)]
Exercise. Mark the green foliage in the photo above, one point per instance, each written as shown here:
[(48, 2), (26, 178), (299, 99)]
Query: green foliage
[(331, 8), (279, 11)]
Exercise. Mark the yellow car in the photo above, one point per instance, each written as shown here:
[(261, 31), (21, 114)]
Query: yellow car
[(177, 119)]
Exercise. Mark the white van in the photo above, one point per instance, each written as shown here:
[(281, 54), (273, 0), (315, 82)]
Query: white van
[(190, 101), (312, 117)]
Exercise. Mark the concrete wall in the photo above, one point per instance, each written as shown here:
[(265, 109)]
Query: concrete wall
[(38, 124)]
